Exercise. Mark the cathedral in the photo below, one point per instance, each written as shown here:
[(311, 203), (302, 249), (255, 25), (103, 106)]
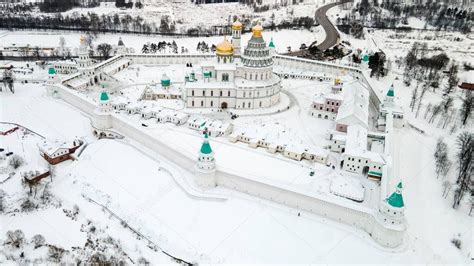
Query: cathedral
[(234, 79)]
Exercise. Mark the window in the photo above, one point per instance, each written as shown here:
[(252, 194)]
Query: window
[(202, 103), (249, 105), (228, 93), (212, 93), (203, 93), (244, 94), (220, 93), (225, 77), (212, 103)]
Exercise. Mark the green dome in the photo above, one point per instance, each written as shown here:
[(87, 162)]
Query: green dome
[(391, 92), (365, 58), (206, 147), (165, 81), (271, 44), (104, 96), (51, 70), (396, 199), (207, 74)]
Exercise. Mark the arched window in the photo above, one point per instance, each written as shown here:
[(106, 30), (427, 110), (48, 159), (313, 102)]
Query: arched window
[(250, 76), (192, 103), (212, 93), (249, 105), (244, 94), (203, 93), (220, 93), (212, 103), (202, 103), (225, 77), (228, 93)]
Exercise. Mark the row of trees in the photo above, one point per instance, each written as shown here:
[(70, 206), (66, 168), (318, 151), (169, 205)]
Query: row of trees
[(464, 158), (25, 17), (153, 48), (436, 14)]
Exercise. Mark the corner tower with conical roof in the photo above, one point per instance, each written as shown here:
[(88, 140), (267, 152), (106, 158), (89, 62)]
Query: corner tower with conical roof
[(392, 209), (389, 100), (102, 119), (52, 90), (206, 165)]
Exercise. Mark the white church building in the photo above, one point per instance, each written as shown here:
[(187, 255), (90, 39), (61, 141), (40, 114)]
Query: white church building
[(235, 80)]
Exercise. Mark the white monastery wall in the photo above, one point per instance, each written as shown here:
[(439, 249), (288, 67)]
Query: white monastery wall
[(362, 218)]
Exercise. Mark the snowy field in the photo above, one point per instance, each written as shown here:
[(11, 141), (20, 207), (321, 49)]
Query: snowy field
[(188, 15), (236, 230), (124, 176), (282, 39)]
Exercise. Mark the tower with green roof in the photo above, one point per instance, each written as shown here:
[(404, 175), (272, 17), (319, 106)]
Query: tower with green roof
[(165, 81), (102, 119), (389, 100), (52, 90), (206, 164), (393, 207)]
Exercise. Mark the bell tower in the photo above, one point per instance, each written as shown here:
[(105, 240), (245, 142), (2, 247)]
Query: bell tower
[(236, 34)]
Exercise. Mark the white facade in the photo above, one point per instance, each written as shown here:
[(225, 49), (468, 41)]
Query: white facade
[(205, 167), (102, 119), (233, 80)]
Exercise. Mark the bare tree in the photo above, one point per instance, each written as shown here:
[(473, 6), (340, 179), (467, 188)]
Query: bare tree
[(446, 188), (104, 50), (442, 161), (452, 78), (465, 158), (466, 108), (15, 238)]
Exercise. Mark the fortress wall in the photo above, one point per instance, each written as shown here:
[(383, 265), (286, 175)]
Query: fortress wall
[(366, 221), (77, 100), (362, 219)]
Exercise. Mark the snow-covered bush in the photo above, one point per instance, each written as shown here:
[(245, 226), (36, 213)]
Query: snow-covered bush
[(15, 238), (143, 261), (55, 254), (27, 205), (38, 241), (16, 161), (456, 242)]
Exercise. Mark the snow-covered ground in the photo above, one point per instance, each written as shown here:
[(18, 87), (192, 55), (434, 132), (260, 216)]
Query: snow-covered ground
[(120, 176), (241, 229), (282, 39)]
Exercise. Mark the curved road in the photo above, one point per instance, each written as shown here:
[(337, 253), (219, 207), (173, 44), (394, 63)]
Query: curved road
[(332, 35)]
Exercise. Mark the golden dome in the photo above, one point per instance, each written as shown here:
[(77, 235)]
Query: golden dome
[(225, 48), (82, 40), (257, 31), (237, 25)]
